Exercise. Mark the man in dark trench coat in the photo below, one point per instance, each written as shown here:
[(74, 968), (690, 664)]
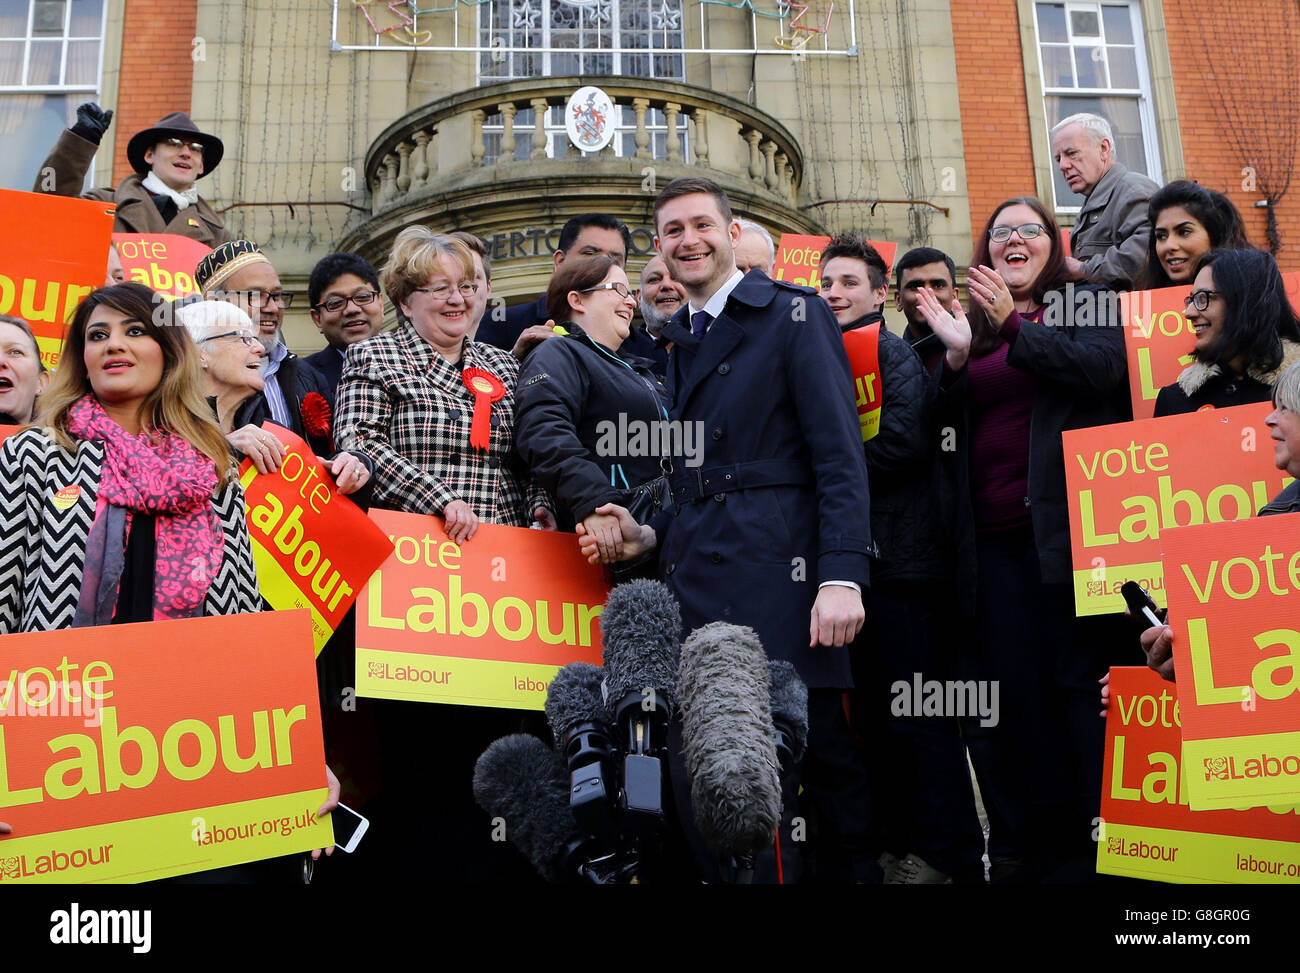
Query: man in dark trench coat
[(772, 528)]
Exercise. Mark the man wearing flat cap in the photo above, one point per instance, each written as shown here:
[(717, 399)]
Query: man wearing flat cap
[(160, 197)]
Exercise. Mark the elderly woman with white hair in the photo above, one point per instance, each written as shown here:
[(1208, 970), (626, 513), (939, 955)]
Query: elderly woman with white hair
[(231, 357)]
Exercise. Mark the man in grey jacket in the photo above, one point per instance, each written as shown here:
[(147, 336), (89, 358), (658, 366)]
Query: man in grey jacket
[(1109, 241)]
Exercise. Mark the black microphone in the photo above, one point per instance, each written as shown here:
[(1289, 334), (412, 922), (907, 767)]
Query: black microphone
[(575, 709), (641, 631), (728, 738), (789, 712)]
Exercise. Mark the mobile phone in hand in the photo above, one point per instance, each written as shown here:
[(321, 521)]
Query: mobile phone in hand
[(1140, 605)]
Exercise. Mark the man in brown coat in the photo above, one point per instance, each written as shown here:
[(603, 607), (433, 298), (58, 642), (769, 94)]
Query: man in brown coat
[(160, 197)]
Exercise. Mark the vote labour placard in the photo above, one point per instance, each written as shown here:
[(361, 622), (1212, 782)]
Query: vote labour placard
[(1129, 481), (314, 548), (863, 348), (54, 255), (1148, 829), (798, 258), (164, 262), (484, 623), (1159, 339), (133, 752), (1234, 606)]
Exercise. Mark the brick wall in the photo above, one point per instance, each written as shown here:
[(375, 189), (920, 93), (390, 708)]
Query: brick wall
[(157, 71), (994, 112)]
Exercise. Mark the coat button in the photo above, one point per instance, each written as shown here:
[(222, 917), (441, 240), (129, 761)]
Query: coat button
[(717, 434), (493, 462), (724, 368), (720, 497), (715, 557), (496, 421), (454, 414)]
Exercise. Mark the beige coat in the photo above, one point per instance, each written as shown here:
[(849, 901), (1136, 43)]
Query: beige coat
[(69, 161)]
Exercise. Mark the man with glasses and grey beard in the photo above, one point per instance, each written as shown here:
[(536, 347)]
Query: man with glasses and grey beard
[(658, 299)]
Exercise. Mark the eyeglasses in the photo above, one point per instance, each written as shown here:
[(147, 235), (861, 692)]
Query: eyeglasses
[(1201, 299), (360, 299), (243, 336), (617, 286), (443, 291), (260, 298), (1027, 231), (175, 143)]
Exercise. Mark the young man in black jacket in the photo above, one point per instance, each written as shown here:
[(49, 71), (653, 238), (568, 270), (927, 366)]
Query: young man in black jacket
[(925, 806)]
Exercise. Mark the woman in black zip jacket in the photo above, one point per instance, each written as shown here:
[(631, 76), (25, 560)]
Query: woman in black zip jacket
[(591, 425)]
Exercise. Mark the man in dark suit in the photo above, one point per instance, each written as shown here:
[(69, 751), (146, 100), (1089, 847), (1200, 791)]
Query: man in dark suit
[(346, 307), (773, 529), (525, 324)]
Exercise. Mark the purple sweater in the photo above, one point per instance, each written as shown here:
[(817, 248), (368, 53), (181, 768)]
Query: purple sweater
[(1001, 398)]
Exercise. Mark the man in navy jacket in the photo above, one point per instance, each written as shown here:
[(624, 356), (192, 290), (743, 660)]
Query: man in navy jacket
[(773, 530)]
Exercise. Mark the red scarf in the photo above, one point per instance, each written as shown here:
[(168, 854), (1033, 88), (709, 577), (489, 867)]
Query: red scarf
[(156, 472)]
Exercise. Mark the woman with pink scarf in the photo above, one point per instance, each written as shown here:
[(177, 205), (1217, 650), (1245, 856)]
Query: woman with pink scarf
[(121, 504)]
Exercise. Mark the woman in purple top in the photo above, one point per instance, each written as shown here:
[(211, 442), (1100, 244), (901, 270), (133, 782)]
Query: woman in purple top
[(1034, 358)]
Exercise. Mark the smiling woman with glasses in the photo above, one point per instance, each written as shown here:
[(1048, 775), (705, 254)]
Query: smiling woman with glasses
[(1032, 360), (1246, 332)]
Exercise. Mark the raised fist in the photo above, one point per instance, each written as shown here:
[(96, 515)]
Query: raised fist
[(92, 121)]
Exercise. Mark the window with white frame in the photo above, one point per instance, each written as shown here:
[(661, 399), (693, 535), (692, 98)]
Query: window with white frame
[(1092, 58), (549, 38), (50, 62)]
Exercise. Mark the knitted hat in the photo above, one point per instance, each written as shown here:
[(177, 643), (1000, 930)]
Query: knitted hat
[(176, 125), (224, 262)]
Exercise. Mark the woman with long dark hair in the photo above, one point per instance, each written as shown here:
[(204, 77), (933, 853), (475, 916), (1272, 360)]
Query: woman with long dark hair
[(1033, 359), (1187, 222), (1247, 334)]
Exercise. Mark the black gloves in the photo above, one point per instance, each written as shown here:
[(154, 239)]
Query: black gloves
[(92, 122)]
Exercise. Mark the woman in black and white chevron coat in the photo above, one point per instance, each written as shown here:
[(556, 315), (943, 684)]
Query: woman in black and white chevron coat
[(121, 504)]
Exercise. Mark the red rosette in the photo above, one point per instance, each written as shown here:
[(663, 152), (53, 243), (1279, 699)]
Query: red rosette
[(316, 418), (486, 389)]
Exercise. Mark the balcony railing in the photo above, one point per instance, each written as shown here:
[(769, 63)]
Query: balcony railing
[(441, 145)]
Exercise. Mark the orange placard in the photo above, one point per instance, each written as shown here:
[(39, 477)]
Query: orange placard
[(314, 547), (134, 752), (1159, 339), (1148, 830), (1234, 606), (863, 348), (484, 623), (1128, 482), (164, 262), (799, 255), (60, 256), (7, 431)]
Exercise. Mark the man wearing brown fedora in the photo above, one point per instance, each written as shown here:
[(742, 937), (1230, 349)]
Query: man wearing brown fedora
[(160, 197)]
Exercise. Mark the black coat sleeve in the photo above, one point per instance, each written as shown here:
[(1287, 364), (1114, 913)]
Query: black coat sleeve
[(902, 441), (550, 397)]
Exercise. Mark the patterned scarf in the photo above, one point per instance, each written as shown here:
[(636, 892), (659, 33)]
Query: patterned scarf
[(156, 473)]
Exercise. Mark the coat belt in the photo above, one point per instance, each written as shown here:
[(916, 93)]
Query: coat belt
[(699, 484)]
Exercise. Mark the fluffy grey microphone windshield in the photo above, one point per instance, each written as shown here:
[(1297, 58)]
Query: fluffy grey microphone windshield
[(523, 781), (641, 628), (574, 697), (728, 738), (790, 700)]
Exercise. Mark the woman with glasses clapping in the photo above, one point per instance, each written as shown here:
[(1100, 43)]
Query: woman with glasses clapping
[(1246, 334)]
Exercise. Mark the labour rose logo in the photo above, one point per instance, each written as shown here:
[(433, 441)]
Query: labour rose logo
[(1114, 845), (9, 868), (376, 668), (589, 119), (1216, 767)]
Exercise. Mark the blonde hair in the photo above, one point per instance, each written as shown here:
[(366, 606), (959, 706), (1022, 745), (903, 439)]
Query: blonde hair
[(177, 404), (416, 252)]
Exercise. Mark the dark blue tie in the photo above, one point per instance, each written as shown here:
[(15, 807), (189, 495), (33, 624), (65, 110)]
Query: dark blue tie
[(700, 322)]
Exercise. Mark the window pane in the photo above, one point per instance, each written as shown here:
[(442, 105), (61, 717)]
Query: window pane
[(1123, 67), (43, 63), (1119, 25), (47, 19), (29, 125), (1125, 122), (11, 62), (13, 18), (83, 63), (1085, 23), (1057, 70), (1091, 72), (86, 18), (1051, 22)]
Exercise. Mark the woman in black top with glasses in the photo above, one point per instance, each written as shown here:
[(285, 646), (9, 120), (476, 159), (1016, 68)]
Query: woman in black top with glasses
[(1246, 334)]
